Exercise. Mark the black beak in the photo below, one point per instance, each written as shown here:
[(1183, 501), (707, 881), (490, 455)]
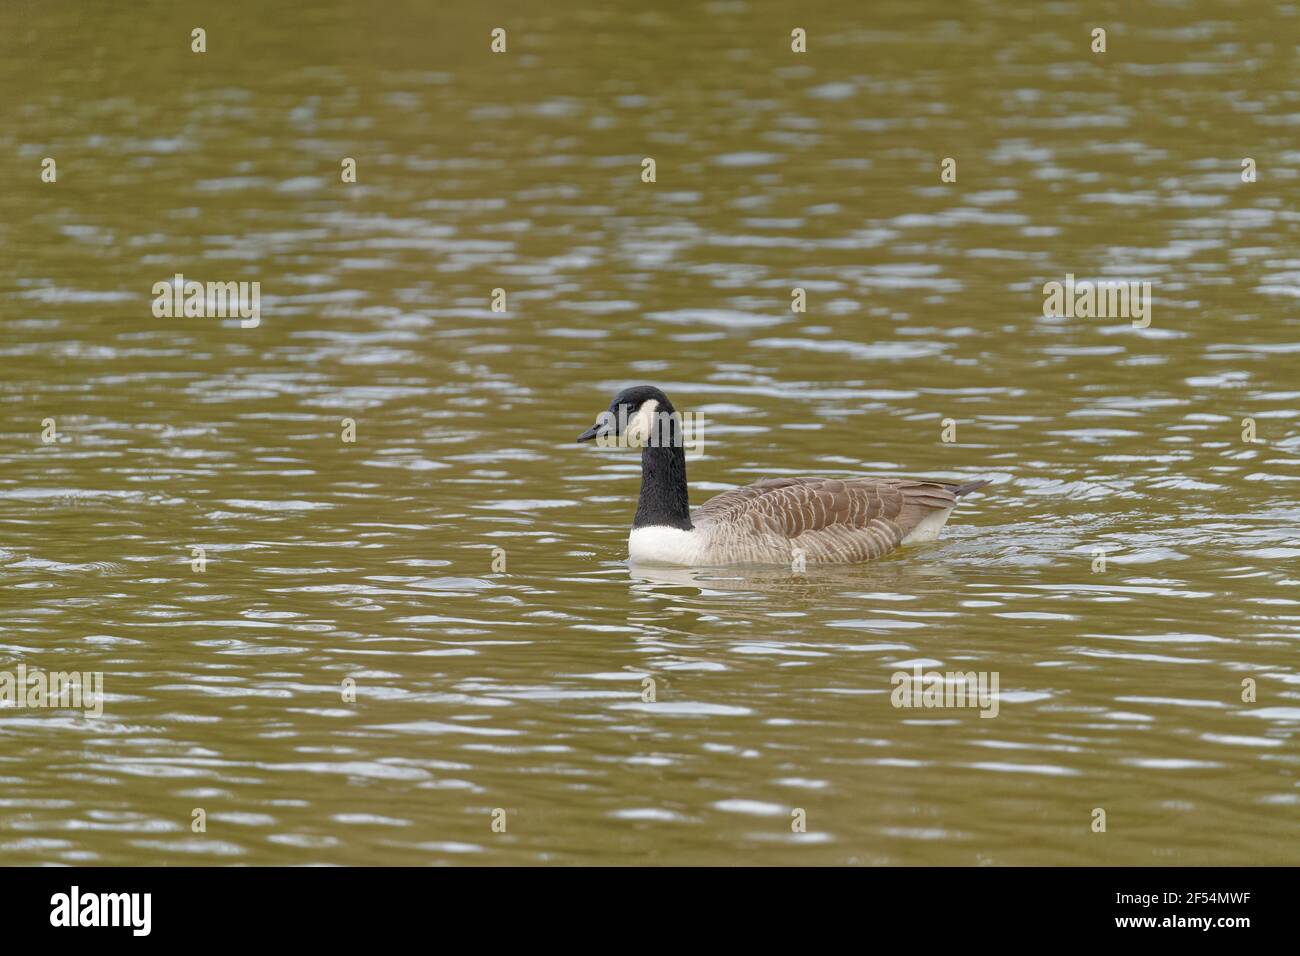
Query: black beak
[(590, 433)]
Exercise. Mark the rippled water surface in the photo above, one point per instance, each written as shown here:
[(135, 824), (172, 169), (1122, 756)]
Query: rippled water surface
[(522, 689)]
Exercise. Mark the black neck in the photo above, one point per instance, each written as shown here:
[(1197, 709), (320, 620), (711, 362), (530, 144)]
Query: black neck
[(664, 500)]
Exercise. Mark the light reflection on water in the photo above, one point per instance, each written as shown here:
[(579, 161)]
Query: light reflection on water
[(523, 689)]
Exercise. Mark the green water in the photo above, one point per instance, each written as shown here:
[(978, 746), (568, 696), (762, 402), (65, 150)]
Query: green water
[(522, 690)]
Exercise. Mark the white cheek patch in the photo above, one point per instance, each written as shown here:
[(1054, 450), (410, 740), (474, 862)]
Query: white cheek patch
[(641, 425)]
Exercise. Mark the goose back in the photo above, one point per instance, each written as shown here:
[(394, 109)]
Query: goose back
[(827, 520)]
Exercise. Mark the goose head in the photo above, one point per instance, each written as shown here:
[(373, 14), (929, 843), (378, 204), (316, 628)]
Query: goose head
[(638, 416)]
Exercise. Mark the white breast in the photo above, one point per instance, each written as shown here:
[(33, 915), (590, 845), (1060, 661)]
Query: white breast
[(661, 545)]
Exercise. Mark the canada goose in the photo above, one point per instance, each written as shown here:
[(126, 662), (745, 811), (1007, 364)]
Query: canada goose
[(773, 521)]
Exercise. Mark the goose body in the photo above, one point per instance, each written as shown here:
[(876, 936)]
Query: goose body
[(822, 520), (788, 521)]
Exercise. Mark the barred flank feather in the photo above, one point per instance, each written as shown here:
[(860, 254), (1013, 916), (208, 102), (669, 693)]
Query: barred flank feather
[(828, 520)]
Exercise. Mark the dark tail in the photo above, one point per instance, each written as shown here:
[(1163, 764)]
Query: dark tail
[(960, 490)]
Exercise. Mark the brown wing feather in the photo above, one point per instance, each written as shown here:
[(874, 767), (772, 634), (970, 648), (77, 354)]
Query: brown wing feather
[(830, 519)]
